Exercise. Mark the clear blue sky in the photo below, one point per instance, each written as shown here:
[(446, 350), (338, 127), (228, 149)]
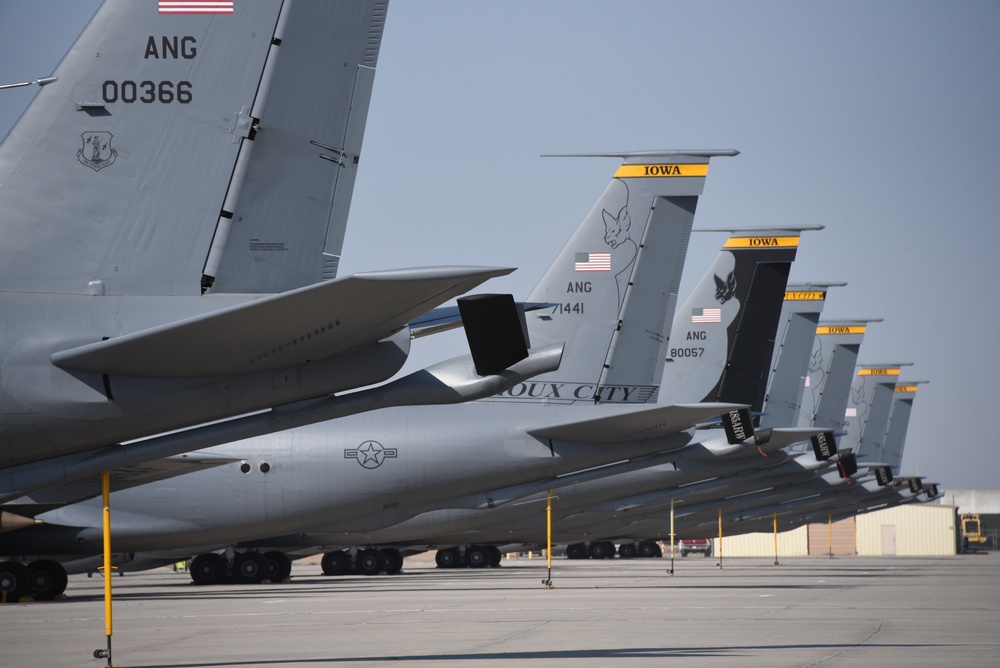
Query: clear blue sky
[(878, 120)]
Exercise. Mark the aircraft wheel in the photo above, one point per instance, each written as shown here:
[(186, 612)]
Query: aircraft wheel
[(48, 579), (627, 551), (393, 560), (207, 569), (477, 557), (448, 558), (279, 566), (250, 567), (647, 549), (599, 550), (576, 551), (336, 563), (495, 556), (370, 562), (15, 579)]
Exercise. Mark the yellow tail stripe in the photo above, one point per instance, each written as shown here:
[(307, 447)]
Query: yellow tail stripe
[(840, 329), (761, 242), (656, 171), (879, 372), (791, 296)]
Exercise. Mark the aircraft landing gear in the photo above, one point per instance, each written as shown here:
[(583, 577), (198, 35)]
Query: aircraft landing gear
[(15, 581), (48, 579)]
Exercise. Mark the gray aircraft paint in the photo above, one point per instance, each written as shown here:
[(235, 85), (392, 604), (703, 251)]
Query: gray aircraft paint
[(517, 514), (303, 484), (796, 330), (831, 372), (899, 419), (868, 412), (112, 184)]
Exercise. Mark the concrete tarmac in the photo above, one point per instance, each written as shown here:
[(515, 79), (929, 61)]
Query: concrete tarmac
[(815, 611)]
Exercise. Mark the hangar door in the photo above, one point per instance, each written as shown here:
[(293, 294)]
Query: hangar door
[(842, 534)]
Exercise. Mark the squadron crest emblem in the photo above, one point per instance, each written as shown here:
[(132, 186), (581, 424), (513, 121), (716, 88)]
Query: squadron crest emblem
[(96, 152)]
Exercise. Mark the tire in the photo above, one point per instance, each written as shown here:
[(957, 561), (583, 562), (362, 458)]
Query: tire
[(627, 551), (48, 579), (647, 549), (279, 566), (393, 560), (250, 568), (576, 551), (599, 550), (477, 557), (335, 563), (207, 569), (370, 562), (495, 556), (448, 558), (15, 579)]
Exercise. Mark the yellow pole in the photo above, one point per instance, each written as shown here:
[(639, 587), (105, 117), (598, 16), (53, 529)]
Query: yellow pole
[(671, 535), (719, 547), (775, 538), (106, 495), (548, 549), (829, 532)]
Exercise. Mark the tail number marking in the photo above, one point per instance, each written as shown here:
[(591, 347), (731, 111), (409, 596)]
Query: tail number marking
[(146, 92), (686, 352)]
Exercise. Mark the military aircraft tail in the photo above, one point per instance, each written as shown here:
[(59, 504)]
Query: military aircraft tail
[(869, 408), (723, 334), (163, 135), (831, 371), (790, 360), (899, 420), (615, 282)]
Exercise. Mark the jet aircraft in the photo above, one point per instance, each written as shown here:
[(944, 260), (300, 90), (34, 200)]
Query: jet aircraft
[(172, 209), (611, 291)]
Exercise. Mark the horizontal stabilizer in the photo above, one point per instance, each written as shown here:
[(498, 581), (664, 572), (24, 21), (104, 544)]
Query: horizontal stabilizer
[(280, 331), (639, 425), (495, 330), (446, 318), (782, 437), (124, 477)]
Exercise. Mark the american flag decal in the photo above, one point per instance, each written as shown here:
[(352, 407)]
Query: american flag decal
[(703, 315), (196, 6), (593, 262)]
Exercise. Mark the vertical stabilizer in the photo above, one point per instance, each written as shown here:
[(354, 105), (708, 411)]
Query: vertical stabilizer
[(615, 281), (899, 420), (868, 411), (790, 360), (285, 214), (831, 372), (723, 334), (113, 179)]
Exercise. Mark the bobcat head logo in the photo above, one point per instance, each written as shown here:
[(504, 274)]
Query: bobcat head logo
[(725, 289)]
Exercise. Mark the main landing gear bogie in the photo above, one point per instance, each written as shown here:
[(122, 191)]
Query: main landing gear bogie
[(369, 561), (245, 568), (41, 580), (472, 556)]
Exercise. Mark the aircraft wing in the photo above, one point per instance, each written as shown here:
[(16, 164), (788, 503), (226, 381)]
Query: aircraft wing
[(280, 331), (639, 425)]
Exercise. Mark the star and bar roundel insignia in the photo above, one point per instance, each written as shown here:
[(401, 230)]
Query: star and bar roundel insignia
[(370, 454)]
